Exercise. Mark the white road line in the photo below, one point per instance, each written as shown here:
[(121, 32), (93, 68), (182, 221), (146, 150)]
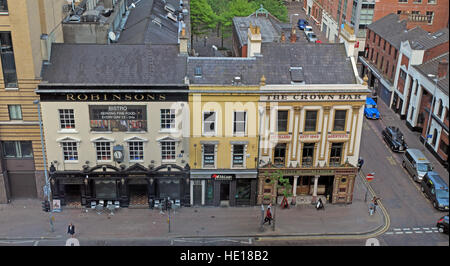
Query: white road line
[(426, 228), (416, 228), (398, 233), (434, 228), (428, 231), (397, 229), (419, 232), (408, 232), (436, 231), (36, 243), (406, 229), (389, 233)]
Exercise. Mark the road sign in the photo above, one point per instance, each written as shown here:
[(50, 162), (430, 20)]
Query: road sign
[(429, 136), (369, 177)]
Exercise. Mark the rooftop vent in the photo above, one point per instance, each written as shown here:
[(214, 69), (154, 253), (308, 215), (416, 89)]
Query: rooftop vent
[(169, 8), (172, 17), (297, 75), (157, 21)]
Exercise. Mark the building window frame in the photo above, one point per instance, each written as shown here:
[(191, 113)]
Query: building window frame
[(236, 153), (237, 122), (308, 161), (168, 118), (209, 150), (308, 128), (280, 160), (66, 118), (135, 151), (279, 120), (168, 151), (15, 112), (8, 60), (103, 150), (18, 147), (333, 159), (337, 126), (209, 122), (4, 6), (70, 151)]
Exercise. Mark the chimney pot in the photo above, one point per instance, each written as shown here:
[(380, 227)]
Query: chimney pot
[(442, 69), (283, 37)]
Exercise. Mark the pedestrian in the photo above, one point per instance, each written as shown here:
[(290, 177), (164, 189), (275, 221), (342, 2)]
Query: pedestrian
[(360, 163), (320, 205), (375, 203), (268, 214), (371, 208), (71, 229), (205, 40)]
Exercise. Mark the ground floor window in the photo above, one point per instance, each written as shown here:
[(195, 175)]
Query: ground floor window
[(169, 188), (105, 190), (209, 197), (243, 189)]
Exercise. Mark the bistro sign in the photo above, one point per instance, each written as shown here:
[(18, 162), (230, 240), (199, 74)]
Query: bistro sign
[(310, 97)]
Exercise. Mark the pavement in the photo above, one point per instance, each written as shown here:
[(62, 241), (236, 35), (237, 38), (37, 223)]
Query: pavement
[(24, 219)]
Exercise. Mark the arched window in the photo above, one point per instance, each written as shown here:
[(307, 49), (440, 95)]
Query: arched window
[(433, 142), (440, 108)]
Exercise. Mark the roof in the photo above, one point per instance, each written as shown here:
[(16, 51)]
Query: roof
[(114, 64), (324, 63), (394, 31), (148, 23), (431, 40), (280, 63), (270, 26), (430, 67)]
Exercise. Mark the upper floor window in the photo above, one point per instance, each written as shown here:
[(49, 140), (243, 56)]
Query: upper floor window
[(403, 1), (167, 118), (336, 154), (310, 120), (17, 149), (8, 62), (136, 150), (103, 150), (66, 118), (282, 121), (3, 6), (432, 1), (239, 122), (238, 155), (430, 16), (70, 151), (308, 154), (15, 112), (209, 122), (440, 108), (209, 155), (168, 150), (279, 154), (339, 120), (417, 1)]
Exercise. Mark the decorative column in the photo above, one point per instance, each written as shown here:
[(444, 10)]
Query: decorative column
[(191, 189), (203, 191), (294, 189), (316, 181)]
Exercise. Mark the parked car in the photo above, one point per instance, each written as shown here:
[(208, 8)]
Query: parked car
[(307, 30), (395, 139), (302, 23), (370, 109), (436, 190), (416, 164), (442, 224), (311, 37), (318, 41)]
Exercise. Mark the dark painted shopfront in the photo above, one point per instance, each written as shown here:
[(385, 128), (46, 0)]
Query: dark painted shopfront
[(223, 188), (109, 183)]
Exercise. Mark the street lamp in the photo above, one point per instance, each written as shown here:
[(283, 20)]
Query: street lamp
[(435, 78), (47, 189), (292, 16)]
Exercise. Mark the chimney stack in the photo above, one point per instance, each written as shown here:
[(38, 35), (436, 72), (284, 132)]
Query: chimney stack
[(183, 45), (283, 37), (293, 37), (253, 41), (442, 69)]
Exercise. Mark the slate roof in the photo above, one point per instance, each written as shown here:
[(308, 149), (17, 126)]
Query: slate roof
[(430, 67), (270, 26), (320, 64), (140, 28), (394, 31), (325, 63), (115, 64), (431, 40)]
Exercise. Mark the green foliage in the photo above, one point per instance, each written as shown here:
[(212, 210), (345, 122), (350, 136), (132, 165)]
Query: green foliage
[(275, 7), (202, 17), (282, 182)]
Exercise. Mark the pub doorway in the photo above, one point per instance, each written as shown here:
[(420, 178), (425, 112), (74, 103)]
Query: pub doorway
[(138, 195), (72, 196), (225, 194), (327, 183), (197, 193)]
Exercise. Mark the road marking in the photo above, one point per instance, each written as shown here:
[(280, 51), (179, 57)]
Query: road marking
[(391, 160), (419, 232), (36, 243), (389, 233), (436, 231), (397, 229), (398, 233), (426, 228), (434, 228), (406, 229), (408, 232), (428, 231), (416, 228)]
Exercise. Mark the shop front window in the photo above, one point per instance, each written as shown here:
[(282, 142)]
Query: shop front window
[(105, 190), (209, 192), (169, 188), (243, 189)]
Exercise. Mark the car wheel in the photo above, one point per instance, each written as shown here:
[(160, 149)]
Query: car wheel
[(440, 229), (434, 204), (404, 164), (423, 190)]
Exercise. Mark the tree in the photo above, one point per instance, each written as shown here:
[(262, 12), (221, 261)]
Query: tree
[(281, 182), (202, 17), (275, 7)]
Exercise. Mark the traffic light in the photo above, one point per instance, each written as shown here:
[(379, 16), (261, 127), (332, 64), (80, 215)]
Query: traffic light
[(169, 204), (46, 206)]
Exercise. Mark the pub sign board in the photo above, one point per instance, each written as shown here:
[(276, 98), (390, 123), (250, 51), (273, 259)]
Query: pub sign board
[(123, 118), (223, 176)]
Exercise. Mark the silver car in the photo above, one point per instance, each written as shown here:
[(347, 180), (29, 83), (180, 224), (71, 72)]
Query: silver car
[(311, 37)]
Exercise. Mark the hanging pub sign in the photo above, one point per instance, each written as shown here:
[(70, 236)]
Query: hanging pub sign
[(123, 118)]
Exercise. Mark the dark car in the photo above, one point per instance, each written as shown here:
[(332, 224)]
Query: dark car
[(395, 139), (442, 224), (302, 23)]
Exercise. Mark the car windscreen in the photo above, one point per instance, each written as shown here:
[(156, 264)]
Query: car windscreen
[(312, 36), (442, 194), (423, 167), (370, 106)]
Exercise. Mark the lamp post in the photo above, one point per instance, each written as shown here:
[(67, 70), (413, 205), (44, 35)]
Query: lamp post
[(47, 189), (292, 16), (435, 78)]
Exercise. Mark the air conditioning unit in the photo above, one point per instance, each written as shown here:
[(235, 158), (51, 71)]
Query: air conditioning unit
[(169, 8), (172, 17)]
